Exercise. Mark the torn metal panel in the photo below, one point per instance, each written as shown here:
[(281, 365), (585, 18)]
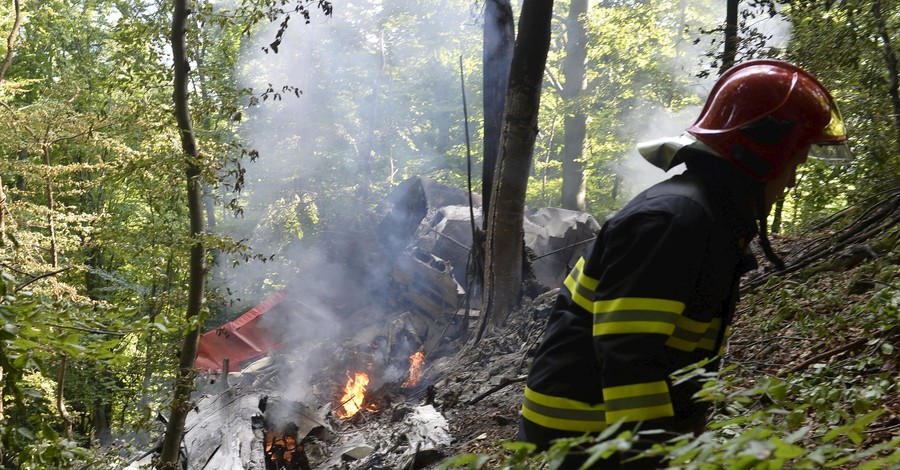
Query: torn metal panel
[(428, 435), (408, 205), (426, 283), (447, 234), (219, 432), (281, 414), (226, 431), (558, 237)]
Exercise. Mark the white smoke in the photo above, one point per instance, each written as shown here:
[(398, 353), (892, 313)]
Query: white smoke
[(336, 87)]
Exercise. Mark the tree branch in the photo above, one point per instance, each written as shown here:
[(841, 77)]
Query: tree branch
[(87, 330), (825, 355), (11, 39), (37, 278)]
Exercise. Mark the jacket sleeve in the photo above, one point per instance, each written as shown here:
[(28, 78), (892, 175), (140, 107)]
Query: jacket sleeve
[(636, 284)]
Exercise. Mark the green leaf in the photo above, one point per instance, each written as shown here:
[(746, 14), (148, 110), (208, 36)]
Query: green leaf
[(787, 451), (26, 433), (470, 461)]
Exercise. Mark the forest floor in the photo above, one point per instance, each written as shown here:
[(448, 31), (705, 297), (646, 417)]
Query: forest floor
[(827, 329)]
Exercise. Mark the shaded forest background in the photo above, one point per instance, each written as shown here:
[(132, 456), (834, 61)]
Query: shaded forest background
[(304, 117)]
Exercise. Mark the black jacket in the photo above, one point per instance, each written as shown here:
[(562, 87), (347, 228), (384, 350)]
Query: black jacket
[(656, 293)]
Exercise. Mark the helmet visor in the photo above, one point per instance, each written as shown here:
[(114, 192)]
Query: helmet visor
[(831, 152), (832, 144)]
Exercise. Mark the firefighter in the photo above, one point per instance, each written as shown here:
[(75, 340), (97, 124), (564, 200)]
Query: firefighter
[(657, 292)]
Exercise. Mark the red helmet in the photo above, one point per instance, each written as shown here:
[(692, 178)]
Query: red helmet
[(762, 113)]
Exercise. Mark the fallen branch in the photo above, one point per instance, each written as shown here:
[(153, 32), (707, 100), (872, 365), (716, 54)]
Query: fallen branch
[(827, 354), (503, 383)]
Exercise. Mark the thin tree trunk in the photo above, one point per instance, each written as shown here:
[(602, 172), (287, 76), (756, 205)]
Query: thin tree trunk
[(505, 245), (366, 156), (3, 212), (11, 39), (2, 386), (21, 156), (679, 52), (777, 215), (54, 257), (154, 308), (497, 52), (184, 383), (575, 123), (890, 59), (102, 421), (547, 158), (731, 35), (60, 398)]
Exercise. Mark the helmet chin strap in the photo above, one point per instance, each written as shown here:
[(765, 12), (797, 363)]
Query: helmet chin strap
[(764, 236)]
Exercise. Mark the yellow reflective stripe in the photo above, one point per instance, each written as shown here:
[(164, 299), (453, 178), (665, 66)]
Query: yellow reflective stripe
[(588, 282), (638, 303), (691, 325), (641, 414), (582, 289), (687, 334), (581, 286), (712, 334), (638, 402), (629, 315), (560, 402), (675, 342), (563, 413), (634, 327), (633, 390)]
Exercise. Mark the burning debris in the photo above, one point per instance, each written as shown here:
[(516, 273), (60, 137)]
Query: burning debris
[(416, 366), (366, 399), (284, 452), (354, 395)]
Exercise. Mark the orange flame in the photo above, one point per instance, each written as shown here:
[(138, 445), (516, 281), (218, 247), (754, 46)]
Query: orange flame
[(354, 394), (416, 364), (280, 448)]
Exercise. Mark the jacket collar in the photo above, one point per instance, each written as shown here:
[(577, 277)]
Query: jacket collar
[(733, 193)]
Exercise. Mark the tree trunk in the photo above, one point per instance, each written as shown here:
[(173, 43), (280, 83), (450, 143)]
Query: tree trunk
[(366, 150), (60, 398), (11, 39), (731, 35), (3, 212), (499, 36), (890, 59), (777, 215), (2, 417), (54, 257), (574, 178), (505, 245), (21, 156), (184, 383), (679, 51), (101, 421)]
